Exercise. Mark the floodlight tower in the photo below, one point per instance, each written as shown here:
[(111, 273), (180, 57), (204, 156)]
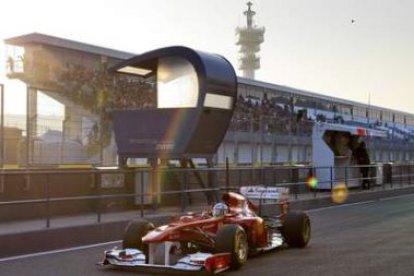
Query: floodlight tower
[(249, 38)]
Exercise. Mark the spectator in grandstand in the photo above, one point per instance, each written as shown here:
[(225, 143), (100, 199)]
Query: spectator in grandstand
[(268, 115)]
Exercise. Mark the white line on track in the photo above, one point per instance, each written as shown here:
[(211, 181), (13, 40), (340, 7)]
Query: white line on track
[(395, 197), (56, 251), (358, 203), (339, 206)]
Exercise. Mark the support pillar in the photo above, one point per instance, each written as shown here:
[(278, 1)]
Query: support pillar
[(31, 123), (2, 125), (72, 124)]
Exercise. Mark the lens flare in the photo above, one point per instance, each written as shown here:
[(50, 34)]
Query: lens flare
[(339, 193), (311, 182)]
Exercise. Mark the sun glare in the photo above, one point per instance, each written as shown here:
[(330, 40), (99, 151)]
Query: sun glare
[(339, 193)]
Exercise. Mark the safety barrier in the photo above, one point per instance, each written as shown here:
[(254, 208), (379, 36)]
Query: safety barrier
[(47, 194)]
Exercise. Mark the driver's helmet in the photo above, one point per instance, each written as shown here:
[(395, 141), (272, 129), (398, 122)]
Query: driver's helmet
[(220, 209)]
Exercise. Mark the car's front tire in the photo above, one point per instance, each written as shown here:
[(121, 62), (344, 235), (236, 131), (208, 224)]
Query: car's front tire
[(233, 239), (134, 232), (296, 229)]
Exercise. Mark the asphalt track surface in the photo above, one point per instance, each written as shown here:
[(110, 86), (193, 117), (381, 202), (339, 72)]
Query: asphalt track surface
[(372, 238)]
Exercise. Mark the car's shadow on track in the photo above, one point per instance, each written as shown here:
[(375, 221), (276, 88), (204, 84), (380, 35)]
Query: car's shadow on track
[(112, 270)]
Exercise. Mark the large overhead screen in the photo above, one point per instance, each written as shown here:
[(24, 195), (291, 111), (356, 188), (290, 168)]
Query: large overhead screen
[(177, 83)]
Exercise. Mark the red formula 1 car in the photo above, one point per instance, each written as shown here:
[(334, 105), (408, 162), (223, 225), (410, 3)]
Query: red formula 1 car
[(215, 240)]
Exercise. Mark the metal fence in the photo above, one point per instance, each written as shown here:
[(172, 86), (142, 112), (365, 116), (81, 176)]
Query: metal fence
[(47, 194)]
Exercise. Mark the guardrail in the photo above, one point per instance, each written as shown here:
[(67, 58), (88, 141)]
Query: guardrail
[(52, 193)]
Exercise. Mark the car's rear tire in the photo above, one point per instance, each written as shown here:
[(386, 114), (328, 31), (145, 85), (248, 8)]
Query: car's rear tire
[(134, 232), (232, 239), (296, 229)]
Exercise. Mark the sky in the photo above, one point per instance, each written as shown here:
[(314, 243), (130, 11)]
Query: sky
[(361, 50)]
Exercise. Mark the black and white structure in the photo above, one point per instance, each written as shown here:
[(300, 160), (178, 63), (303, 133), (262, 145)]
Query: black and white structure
[(195, 98)]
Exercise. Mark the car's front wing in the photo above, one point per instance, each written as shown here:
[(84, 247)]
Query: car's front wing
[(213, 263)]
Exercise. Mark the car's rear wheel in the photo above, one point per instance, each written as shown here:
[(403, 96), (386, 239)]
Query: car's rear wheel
[(134, 232), (296, 229), (233, 239)]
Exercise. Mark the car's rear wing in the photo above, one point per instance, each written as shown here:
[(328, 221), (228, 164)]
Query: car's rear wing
[(261, 194)]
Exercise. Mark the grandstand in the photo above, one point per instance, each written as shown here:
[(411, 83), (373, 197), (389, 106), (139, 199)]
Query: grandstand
[(271, 123), (269, 111)]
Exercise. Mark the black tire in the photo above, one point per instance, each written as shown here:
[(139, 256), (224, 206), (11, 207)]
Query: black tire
[(232, 239), (134, 232), (296, 229)]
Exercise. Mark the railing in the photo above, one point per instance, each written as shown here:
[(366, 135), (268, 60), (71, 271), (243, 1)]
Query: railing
[(48, 194)]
